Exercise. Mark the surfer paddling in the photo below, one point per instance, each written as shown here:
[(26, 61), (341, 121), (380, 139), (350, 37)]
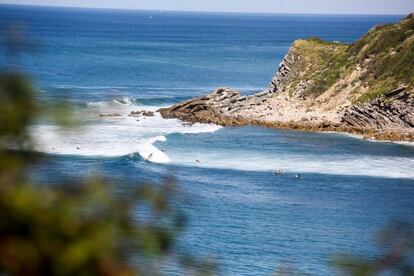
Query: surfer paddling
[(279, 172)]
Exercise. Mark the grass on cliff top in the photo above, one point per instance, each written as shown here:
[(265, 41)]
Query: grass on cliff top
[(386, 52), (322, 63)]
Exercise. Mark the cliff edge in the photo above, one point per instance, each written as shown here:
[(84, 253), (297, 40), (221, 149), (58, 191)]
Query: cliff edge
[(365, 88)]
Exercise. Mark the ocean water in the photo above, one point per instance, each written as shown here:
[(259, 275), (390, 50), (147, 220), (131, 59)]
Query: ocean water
[(250, 220)]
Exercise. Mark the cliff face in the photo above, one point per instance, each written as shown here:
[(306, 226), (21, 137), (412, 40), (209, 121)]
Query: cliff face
[(366, 87), (379, 62), (394, 110), (369, 84)]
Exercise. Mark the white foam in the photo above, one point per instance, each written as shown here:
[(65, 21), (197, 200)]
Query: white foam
[(125, 101), (250, 160), (119, 136), (405, 143), (361, 137), (113, 136), (150, 153)]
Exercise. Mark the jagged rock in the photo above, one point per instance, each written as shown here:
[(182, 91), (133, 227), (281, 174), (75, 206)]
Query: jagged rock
[(148, 113), (284, 69), (382, 113), (135, 113), (213, 108), (141, 113)]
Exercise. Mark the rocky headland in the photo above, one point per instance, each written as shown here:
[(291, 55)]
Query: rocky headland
[(364, 88)]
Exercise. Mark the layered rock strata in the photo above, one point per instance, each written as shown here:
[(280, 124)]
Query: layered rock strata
[(364, 88)]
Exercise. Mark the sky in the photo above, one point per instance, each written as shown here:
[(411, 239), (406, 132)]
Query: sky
[(268, 6)]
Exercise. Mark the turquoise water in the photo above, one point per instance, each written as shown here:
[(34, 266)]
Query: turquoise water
[(238, 211)]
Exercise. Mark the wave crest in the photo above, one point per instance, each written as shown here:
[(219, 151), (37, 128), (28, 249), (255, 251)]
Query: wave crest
[(151, 153)]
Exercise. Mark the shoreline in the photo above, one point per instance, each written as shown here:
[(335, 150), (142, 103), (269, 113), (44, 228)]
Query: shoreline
[(325, 86), (373, 135), (226, 107)]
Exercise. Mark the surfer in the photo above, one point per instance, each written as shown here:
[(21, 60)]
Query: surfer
[(279, 172), (149, 157)]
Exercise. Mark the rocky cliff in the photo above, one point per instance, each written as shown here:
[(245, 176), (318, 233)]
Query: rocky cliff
[(366, 88)]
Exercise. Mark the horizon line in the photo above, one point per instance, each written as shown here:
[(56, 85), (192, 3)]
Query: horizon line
[(194, 11)]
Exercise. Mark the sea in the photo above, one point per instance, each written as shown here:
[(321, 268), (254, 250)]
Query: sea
[(336, 191)]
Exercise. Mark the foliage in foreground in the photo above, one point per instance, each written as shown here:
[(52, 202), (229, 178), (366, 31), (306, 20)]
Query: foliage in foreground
[(74, 228), (396, 258), (85, 229)]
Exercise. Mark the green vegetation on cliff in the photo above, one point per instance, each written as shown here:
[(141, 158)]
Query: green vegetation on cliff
[(322, 62), (387, 52), (384, 58)]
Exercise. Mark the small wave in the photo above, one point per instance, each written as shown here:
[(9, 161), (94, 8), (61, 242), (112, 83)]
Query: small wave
[(122, 102), (157, 101), (125, 101), (96, 104), (141, 101), (404, 143), (65, 86), (151, 153), (150, 103)]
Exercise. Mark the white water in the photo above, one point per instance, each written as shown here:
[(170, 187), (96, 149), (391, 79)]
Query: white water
[(149, 152), (376, 166), (124, 135), (114, 136)]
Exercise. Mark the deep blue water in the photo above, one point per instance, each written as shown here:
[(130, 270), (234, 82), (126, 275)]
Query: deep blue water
[(238, 211)]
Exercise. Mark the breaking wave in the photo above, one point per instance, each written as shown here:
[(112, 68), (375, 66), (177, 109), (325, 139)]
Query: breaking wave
[(121, 135), (113, 136), (150, 153)]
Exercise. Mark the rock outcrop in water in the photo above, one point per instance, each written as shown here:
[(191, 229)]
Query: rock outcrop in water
[(220, 107), (364, 88)]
